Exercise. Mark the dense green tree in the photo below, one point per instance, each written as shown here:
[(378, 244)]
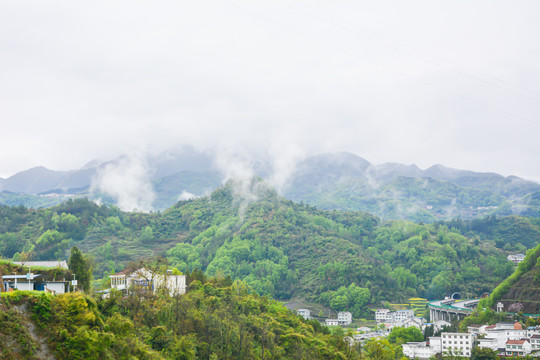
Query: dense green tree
[(80, 265), (479, 353), (402, 335)]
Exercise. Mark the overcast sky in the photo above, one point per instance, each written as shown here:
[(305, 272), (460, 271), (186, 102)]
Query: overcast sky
[(425, 82)]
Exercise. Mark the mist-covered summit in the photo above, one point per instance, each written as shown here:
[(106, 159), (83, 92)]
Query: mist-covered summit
[(343, 181)]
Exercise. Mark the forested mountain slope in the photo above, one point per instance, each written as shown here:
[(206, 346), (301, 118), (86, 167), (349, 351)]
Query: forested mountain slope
[(345, 260), (520, 292), (340, 181)]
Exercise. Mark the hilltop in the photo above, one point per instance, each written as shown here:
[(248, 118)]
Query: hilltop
[(341, 259), (331, 181)]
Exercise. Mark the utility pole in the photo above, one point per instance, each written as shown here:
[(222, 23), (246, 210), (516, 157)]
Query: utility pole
[(74, 282), (28, 276)]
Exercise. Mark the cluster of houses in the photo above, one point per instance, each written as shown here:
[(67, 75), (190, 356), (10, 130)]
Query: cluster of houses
[(506, 338), (141, 279), (401, 318)]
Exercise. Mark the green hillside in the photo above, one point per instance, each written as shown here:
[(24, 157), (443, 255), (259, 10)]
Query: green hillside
[(521, 291), (213, 320), (344, 260)]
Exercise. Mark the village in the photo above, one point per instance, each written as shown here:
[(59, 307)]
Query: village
[(505, 338)]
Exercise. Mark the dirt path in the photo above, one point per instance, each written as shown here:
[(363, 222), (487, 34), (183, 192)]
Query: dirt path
[(43, 352)]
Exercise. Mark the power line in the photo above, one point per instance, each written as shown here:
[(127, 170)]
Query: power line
[(399, 72), (415, 52)]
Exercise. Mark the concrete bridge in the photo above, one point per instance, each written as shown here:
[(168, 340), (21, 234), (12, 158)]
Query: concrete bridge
[(451, 310)]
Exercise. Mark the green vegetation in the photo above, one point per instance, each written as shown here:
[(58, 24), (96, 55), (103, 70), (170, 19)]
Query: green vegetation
[(214, 320), (80, 265), (343, 260), (522, 287)]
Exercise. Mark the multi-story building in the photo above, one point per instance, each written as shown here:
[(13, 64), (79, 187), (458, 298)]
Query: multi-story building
[(535, 343), (305, 313), (460, 344), (383, 315), (344, 318), (423, 350), (518, 347), (402, 315)]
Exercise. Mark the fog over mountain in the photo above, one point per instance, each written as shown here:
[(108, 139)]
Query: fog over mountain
[(421, 82), (341, 181)]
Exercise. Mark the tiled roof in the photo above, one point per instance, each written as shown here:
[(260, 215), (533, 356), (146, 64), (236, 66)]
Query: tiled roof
[(516, 342)]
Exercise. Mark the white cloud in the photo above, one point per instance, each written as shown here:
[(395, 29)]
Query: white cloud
[(127, 181), (272, 80)]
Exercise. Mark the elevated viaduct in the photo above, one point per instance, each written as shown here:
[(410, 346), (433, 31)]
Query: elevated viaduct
[(451, 310)]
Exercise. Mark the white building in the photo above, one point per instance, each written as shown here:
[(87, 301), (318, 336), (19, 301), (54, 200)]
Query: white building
[(424, 349), (36, 282), (331, 322), (533, 330), (501, 333), (402, 315), (440, 325), (43, 264), (518, 347), (417, 322), (490, 343), (383, 315), (516, 259), (145, 279), (305, 313), (535, 343), (476, 329), (344, 318), (457, 343)]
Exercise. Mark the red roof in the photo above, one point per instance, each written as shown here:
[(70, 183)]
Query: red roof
[(517, 326), (516, 342), (490, 327)]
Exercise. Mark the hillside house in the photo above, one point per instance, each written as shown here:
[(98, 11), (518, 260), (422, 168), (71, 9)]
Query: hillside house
[(36, 282), (516, 259), (402, 315), (344, 318), (383, 315), (146, 280), (331, 322), (305, 313)]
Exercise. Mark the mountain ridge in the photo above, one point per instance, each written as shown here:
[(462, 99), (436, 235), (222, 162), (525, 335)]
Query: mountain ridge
[(329, 180)]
